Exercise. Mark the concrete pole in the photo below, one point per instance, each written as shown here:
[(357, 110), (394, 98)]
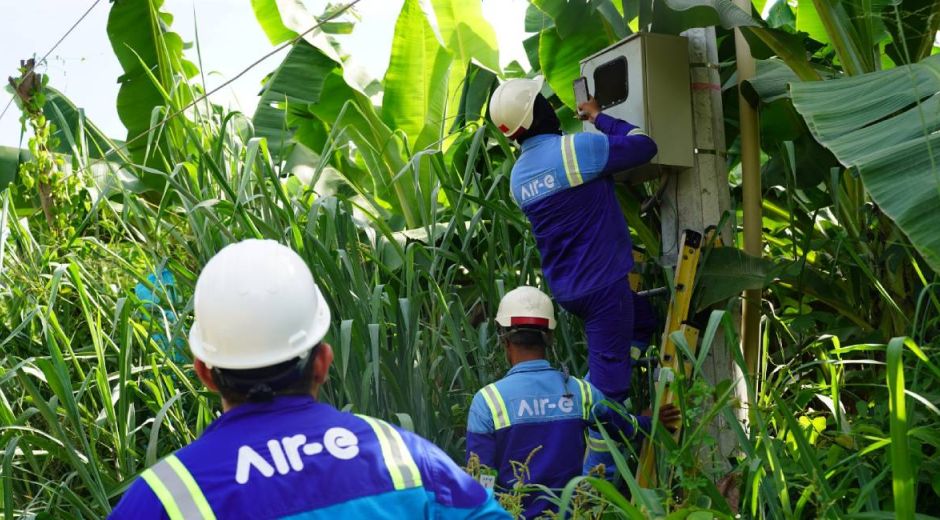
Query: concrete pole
[(700, 197), (751, 204)]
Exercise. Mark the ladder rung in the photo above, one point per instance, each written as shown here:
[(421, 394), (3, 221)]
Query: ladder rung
[(653, 292)]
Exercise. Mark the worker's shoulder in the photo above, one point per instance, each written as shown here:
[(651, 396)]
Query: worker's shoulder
[(527, 382), (590, 142), (450, 485), (138, 502), (418, 446)]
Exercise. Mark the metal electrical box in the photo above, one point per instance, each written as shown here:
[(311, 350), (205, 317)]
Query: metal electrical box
[(644, 79)]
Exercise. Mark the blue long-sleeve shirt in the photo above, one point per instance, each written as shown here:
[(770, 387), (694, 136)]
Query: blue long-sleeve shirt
[(299, 459), (564, 187), (537, 407)]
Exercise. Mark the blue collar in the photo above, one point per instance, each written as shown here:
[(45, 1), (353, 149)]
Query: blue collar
[(530, 366), (278, 404), (536, 140)]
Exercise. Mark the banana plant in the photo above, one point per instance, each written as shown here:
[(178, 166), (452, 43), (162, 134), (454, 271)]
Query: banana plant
[(154, 84), (388, 154)]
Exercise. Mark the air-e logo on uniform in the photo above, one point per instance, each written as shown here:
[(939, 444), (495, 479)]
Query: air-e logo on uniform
[(534, 187), (285, 453), (542, 406)]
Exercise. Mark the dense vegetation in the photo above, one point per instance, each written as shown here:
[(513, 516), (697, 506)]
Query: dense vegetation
[(402, 211)]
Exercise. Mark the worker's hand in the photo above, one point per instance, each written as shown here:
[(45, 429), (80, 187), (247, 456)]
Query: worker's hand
[(588, 110), (669, 415)]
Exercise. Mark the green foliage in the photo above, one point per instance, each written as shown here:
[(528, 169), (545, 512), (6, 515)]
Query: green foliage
[(153, 83), (403, 213), (575, 33), (805, 454), (886, 135), (466, 33), (416, 80)]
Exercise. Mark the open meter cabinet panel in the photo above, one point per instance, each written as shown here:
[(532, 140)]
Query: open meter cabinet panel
[(644, 79)]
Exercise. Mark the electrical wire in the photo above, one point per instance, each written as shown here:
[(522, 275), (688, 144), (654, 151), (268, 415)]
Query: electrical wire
[(53, 48), (68, 32), (228, 82)]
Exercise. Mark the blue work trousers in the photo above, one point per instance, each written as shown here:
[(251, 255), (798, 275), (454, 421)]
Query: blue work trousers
[(608, 322)]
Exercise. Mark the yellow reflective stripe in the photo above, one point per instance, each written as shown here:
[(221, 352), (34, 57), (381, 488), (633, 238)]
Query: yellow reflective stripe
[(197, 495), (586, 398), (596, 444), (571, 161), (163, 494), (401, 466), (177, 490), (497, 406)]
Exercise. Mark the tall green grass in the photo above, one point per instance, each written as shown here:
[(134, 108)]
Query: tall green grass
[(867, 454), (88, 399)]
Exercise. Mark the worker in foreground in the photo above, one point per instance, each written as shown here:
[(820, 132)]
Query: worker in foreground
[(276, 452), (564, 186), (537, 410)]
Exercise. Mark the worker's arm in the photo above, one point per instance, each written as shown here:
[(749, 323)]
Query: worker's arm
[(481, 435), (617, 420), (627, 145), (451, 491)]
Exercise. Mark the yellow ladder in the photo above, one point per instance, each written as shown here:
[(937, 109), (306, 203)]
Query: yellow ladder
[(676, 320)]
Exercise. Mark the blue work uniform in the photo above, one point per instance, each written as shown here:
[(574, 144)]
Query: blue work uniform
[(296, 458), (536, 407), (563, 186)]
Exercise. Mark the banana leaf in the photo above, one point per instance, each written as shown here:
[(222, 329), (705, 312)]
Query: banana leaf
[(466, 33), (10, 158), (883, 126), (416, 80), (152, 60), (296, 83), (675, 16)]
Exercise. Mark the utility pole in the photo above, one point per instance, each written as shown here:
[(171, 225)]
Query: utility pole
[(699, 197)]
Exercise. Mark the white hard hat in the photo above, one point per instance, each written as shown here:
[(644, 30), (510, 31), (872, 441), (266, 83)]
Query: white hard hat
[(512, 105), (256, 305), (526, 306)]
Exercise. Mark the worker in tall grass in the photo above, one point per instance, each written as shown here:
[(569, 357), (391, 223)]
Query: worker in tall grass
[(276, 451), (564, 186), (536, 414)]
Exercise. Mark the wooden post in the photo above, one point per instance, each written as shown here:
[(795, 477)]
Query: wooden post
[(751, 203)]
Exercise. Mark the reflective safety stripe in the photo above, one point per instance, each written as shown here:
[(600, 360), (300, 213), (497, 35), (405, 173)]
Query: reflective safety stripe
[(637, 131), (571, 161), (497, 406), (401, 466), (586, 398), (177, 490), (595, 444)]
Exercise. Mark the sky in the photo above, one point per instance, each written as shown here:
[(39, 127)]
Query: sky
[(85, 69)]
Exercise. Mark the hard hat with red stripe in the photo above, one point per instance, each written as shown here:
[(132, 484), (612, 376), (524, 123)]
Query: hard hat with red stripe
[(512, 106), (526, 306)]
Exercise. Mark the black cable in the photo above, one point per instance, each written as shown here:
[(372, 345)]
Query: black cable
[(68, 32)]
